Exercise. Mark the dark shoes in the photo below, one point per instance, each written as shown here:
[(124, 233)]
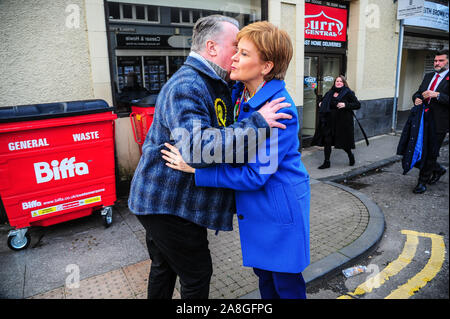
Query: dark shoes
[(351, 162), (326, 164), (351, 159), (420, 188), (436, 176)]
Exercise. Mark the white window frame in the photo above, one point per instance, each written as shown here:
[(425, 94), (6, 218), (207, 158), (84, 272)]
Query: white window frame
[(121, 12), (145, 13), (191, 18), (133, 13), (159, 14)]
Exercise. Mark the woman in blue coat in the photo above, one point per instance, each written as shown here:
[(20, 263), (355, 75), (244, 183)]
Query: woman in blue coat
[(272, 188)]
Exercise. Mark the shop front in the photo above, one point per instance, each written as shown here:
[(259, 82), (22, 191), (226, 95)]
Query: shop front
[(325, 56), (151, 39), (423, 37), (148, 42)]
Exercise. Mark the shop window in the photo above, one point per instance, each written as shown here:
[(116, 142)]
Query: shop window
[(152, 13), (208, 12), (195, 15), (185, 16), (140, 12), (175, 15), (246, 19), (130, 77), (175, 62), (114, 10), (151, 64), (154, 73), (127, 11)]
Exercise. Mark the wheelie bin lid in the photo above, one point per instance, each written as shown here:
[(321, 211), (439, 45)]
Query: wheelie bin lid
[(52, 110)]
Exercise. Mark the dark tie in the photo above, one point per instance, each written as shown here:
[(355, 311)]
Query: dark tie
[(433, 86)]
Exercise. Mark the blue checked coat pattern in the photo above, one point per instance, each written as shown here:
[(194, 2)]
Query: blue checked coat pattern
[(195, 100)]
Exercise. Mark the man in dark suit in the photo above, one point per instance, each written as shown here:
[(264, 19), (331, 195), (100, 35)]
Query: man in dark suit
[(433, 92)]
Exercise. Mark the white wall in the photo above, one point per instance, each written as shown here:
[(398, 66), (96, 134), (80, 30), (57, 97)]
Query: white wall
[(289, 16), (372, 48), (49, 52)]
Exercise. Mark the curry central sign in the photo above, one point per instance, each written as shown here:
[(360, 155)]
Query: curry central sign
[(325, 25)]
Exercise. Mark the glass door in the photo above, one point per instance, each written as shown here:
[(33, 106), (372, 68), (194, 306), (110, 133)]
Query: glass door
[(310, 83), (319, 74), (126, 65), (331, 68), (154, 73)]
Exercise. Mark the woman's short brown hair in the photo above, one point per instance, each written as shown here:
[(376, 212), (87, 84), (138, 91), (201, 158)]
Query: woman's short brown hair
[(273, 45)]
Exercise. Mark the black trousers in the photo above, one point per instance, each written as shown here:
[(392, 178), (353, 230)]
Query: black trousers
[(431, 164), (327, 151), (177, 247)]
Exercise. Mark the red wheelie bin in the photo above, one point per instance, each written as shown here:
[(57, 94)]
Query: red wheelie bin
[(56, 164)]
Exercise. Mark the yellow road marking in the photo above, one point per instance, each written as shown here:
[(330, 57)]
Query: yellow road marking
[(345, 297), (409, 250), (427, 273)]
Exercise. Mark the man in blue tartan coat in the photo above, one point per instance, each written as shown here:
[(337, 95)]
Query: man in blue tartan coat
[(174, 212)]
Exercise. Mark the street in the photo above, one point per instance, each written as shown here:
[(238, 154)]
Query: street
[(410, 261)]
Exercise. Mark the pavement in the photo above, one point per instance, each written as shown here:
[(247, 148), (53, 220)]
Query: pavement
[(81, 259)]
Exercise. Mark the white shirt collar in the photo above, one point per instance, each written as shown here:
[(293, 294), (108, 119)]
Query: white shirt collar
[(442, 74), (199, 57)]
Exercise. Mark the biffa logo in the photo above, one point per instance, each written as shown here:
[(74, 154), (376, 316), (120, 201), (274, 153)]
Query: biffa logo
[(67, 168), (32, 204)]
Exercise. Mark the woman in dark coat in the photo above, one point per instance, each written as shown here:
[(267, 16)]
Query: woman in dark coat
[(336, 121)]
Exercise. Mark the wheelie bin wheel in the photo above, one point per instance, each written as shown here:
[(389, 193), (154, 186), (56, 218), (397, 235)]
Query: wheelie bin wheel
[(107, 216), (17, 242)]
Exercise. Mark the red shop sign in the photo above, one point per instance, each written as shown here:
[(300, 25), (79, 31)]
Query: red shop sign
[(325, 23)]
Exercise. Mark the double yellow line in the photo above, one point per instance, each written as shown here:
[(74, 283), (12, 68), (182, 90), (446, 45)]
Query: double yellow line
[(417, 282)]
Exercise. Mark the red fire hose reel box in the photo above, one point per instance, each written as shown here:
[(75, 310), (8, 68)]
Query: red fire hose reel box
[(56, 164)]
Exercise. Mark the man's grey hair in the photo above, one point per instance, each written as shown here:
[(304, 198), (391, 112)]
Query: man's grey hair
[(209, 28)]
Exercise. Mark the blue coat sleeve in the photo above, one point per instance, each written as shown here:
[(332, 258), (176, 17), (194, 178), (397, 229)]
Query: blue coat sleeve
[(253, 175), (188, 118)]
